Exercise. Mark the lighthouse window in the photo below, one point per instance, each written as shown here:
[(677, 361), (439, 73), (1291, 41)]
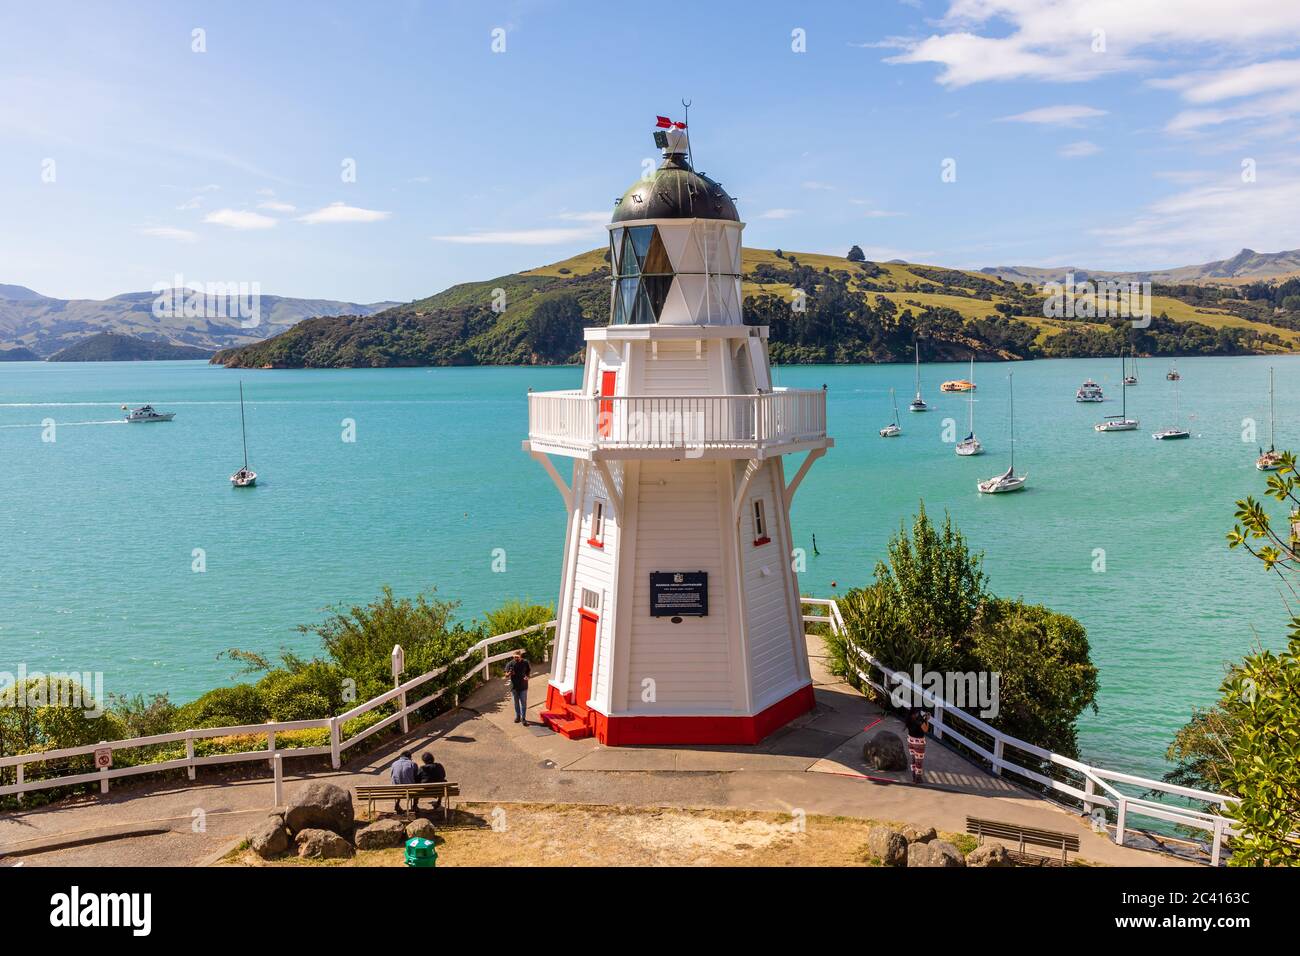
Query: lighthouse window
[(597, 524), (645, 275), (760, 523)]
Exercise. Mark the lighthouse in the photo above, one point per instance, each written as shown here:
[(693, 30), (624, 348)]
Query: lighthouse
[(678, 618)]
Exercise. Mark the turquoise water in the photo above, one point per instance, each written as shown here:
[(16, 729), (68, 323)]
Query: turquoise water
[(99, 527)]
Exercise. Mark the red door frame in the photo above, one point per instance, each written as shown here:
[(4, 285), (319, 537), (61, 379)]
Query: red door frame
[(608, 381), (583, 677)]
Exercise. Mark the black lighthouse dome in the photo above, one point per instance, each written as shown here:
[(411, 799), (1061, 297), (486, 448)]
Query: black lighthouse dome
[(675, 191)]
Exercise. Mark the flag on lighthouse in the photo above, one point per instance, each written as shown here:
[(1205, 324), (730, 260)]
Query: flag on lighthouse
[(663, 122)]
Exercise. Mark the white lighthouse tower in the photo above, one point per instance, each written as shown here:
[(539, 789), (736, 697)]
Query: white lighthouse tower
[(678, 616)]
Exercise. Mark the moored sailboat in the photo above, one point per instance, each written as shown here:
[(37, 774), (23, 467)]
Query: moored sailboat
[(1008, 480), (1175, 431), (1270, 460), (245, 477), (918, 403), (893, 429), (970, 445), (1120, 422)]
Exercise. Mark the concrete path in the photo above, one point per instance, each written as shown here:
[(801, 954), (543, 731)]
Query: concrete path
[(812, 766)]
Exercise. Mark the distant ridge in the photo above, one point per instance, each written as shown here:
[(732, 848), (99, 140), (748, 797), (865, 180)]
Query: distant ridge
[(109, 347), (19, 293), (1245, 265), (18, 354)]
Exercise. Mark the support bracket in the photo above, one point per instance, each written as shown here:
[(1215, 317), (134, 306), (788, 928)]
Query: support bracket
[(793, 486), (565, 491)]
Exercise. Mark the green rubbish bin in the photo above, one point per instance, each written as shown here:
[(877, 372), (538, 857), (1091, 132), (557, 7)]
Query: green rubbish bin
[(421, 852)]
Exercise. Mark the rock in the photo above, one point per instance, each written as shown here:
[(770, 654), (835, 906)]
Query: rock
[(381, 835), (420, 828), (888, 846), (990, 854), (885, 751), (322, 845), (936, 853), (320, 806), (915, 834), (269, 838)]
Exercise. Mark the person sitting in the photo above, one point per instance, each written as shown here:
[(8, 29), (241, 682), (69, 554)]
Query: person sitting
[(403, 771), (431, 772)]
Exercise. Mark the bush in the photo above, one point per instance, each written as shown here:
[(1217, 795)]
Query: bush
[(515, 615)]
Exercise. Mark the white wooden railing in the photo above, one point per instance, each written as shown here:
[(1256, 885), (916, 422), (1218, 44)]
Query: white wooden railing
[(335, 725), (574, 420), (1099, 784)]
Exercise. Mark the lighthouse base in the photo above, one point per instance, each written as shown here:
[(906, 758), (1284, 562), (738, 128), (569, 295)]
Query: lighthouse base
[(620, 731)]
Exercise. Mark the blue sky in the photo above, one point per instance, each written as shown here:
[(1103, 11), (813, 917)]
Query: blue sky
[(127, 158)]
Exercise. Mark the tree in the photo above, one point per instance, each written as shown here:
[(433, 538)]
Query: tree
[(856, 254)]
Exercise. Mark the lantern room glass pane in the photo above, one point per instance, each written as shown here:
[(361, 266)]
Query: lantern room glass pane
[(645, 313), (641, 236), (627, 260), (656, 257), (627, 294), (615, 247), (656, 291)]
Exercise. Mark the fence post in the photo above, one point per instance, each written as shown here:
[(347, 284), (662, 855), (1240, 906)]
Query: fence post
[(399, 664), (270, 743), (1119, 821), (103, 774), (189, 752), (1090, 788), (487, 667), (997, 757), (19, 781), (938, 720), (1218, 842), (277, 763), (334, 743)]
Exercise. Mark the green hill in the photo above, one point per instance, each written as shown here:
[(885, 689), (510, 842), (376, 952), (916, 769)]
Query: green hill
[(108, 347), (18, 354), (854, 312)]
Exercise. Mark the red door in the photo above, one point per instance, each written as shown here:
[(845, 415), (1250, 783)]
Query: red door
[(586, 658), (607, 382)]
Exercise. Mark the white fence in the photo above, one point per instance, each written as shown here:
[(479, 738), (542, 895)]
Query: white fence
[(335, 725), (1099, 788), (574, 420)]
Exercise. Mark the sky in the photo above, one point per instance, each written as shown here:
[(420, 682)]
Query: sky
[(387, 150)]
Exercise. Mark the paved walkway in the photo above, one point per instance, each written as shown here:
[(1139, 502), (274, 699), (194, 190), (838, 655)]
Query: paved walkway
[(814, 766)]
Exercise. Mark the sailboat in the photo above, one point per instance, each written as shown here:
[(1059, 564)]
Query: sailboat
[(1120, 422), (1172, 375), (1270, 460), (970, 445), (1173, 432), (245, 477), (1133, 378), (1008, 480), (918, 403), (893, 429)]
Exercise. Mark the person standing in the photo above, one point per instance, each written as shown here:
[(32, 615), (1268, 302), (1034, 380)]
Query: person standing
[(517, 673), (918, 725)]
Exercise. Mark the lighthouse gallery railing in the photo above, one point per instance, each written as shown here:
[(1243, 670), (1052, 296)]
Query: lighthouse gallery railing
[(573, 419)]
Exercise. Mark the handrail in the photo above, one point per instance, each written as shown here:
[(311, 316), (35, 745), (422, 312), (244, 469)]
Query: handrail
[(190, 761), (1094, 777)]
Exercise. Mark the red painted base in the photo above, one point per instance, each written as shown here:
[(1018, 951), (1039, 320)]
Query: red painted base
[(626, 731)]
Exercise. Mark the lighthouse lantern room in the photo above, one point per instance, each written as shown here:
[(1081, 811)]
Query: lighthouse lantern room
[(678, 620)]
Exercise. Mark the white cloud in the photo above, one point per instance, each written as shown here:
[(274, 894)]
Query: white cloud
[(239, 219), (597, 216), (815, 185), (1055, 115), (522, 237), (779, 214), (192, 203), (1079, 150), (1271, 88), (341, 212), (274, 205), (167, 232)]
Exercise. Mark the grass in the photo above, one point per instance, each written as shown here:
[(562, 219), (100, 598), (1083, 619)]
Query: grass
[(575, 835)]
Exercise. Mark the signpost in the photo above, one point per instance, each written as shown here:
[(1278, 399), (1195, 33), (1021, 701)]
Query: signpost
[(679, 594)]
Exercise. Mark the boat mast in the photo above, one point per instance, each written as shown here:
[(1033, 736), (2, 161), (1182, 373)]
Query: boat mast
[(970, 401), (242, 433), (894, 398), (917, 346), (1123, 392), (1011, 391), (1270, 410)]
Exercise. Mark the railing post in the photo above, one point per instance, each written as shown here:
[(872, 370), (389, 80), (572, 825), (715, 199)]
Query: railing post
[(270, 742), (1119, 821), (103, 773), (189, 752), (938, 720), (399, 665), (19, 781), (1090, 788), (277, 763), (487, 667), (1218, 842), (335, 762), (997, 757)]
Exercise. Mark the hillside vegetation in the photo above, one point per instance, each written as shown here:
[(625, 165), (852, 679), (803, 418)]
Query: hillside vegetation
[(853, 311), (108, 347)]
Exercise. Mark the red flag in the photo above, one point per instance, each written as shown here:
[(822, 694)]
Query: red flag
[(663, 122), (680, 125)]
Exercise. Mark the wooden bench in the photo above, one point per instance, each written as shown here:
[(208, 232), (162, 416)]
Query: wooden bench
[(408, 792), (1023, 836)]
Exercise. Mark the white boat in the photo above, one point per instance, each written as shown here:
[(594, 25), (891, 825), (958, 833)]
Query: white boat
[(1132, 379), (1270, 460), (1008, 480), (245, 477), (1120, 422), (893, 429), (1089, 391), (1173, 432), (970, 445), (918, 403), (1172, 375), (147, 413)]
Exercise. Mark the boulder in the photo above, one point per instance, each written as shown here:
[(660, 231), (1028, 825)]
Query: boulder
[(990, 854), (322, 845), (420, 828), (320, 806), (915, 834), (888, 846), (269, 838), (936, 853), (885, 750), (381, 835)]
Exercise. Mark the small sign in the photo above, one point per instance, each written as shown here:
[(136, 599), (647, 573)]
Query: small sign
[(679, 593), (103, 758)]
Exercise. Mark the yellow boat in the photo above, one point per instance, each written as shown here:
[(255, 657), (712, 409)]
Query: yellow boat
[(957, 385)]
